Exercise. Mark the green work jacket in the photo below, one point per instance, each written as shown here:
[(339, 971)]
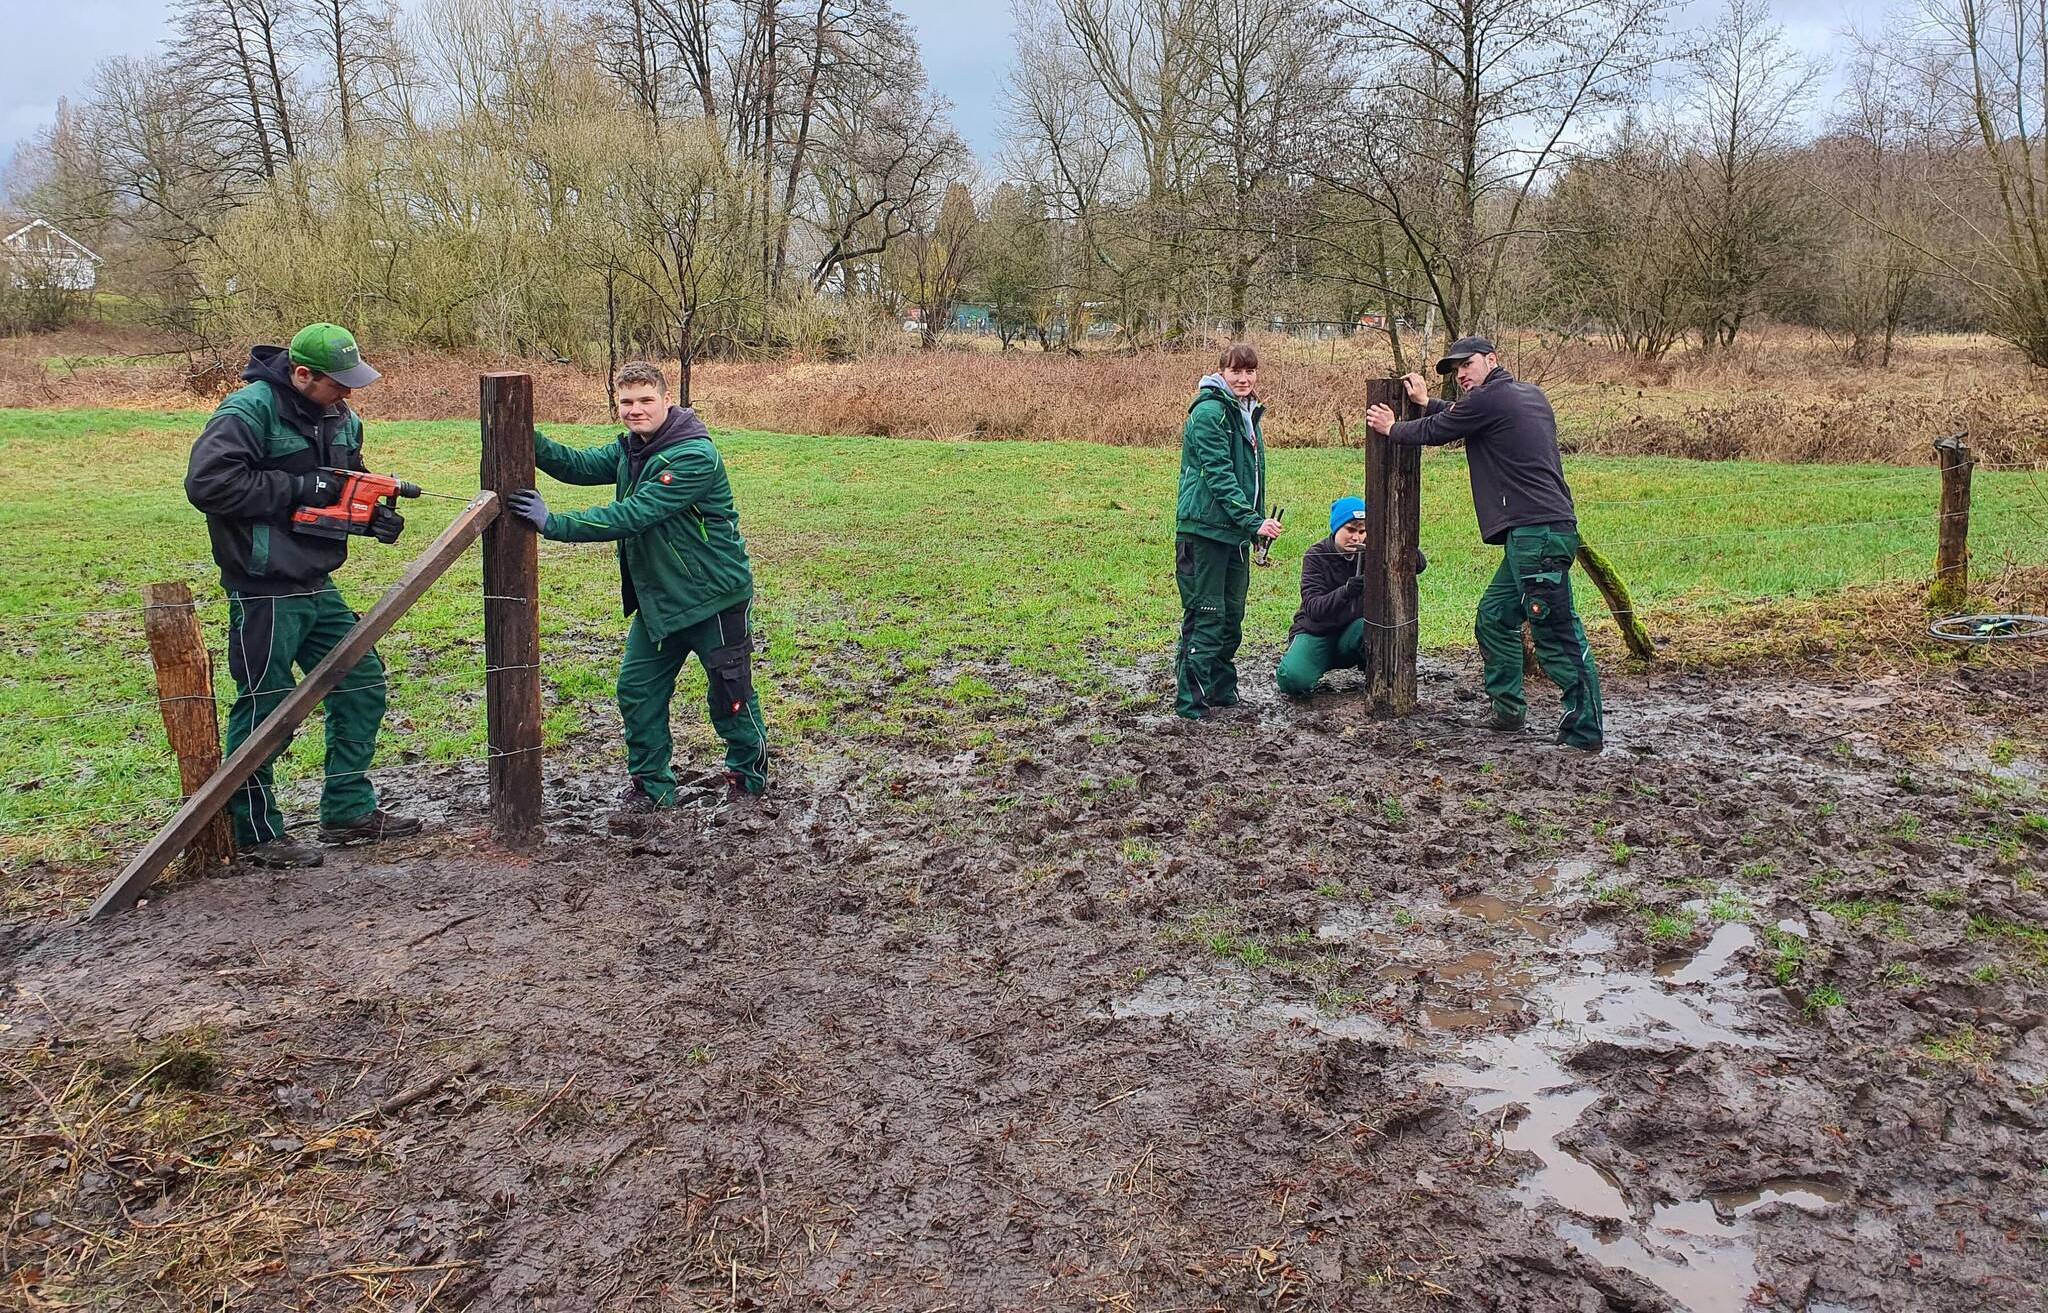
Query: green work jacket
[(681, 556), (1222, 469)]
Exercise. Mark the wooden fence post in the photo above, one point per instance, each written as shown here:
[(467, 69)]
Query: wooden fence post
[(511, 615), (184, 690), (1393, 524), (1952, 554)]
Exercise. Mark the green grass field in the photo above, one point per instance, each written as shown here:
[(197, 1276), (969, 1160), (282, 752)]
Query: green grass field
[(904, 585)]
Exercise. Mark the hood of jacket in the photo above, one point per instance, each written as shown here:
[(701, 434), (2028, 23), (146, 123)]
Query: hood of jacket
[(273, 365), (681, 425), (1250, 407)]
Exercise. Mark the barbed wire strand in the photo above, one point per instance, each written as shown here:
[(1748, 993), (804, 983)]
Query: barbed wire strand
[(290, 781)]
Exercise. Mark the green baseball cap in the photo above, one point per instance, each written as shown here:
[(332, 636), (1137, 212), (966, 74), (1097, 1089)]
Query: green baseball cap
[(331, 350)]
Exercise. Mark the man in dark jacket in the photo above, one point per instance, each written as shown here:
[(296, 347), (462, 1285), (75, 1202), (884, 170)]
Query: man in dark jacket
[(1216, 518), (1329, 629), (1518, 489), (684, 578), (270, 448)]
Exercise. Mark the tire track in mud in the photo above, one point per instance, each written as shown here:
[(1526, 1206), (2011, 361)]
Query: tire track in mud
[(1289, 1010)]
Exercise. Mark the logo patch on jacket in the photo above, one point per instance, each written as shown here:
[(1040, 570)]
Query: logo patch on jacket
[(666, 477)]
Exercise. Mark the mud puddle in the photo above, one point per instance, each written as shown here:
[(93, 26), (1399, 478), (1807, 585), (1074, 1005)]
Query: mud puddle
[(1700, 1252)]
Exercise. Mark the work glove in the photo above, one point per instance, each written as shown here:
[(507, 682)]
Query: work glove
[(527, 505), (1355, 585), (386, 524), (320, 488)]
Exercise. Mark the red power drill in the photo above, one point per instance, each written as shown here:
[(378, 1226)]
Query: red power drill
[(357, 509)]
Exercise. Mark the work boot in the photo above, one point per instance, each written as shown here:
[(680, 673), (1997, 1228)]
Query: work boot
[(635, 800), (376, 827), (737, 792), (1595, 747), (1500, 722), (634, 815), (283, 854)]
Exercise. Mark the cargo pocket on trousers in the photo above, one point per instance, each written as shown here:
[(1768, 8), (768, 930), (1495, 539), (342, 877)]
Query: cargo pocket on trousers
[(1184, 559), (1545, 597), (730, 671)]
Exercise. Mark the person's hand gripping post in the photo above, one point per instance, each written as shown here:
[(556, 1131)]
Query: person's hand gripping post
[(1380, 419)]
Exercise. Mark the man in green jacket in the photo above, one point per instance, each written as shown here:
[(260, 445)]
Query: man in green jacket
[(273, 446), (684, 579), (1222, 482)]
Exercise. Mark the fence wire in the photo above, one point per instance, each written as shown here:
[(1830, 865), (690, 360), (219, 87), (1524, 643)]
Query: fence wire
[(132, 809)]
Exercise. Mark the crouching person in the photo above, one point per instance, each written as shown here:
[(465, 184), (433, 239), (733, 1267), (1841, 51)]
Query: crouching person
[(684, 579), (1329, 629)]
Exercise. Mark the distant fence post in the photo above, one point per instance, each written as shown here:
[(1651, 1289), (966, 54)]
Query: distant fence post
[(1952, 554), (511, 615), (184, 690), (1393, 525)]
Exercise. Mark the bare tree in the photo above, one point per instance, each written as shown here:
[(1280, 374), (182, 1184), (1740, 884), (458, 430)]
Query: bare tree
[(1268, 85), (933, 263), (1985, 63), (1873, 169), (1612, 249), (353, 41), (1464, 107), (1740, 205)]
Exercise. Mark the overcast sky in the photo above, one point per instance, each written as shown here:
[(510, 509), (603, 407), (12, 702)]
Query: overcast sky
[(49, 50)]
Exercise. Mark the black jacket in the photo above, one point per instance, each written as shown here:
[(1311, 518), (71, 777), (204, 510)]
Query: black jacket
[(1329, 604), (1510, 437), (244, 471)]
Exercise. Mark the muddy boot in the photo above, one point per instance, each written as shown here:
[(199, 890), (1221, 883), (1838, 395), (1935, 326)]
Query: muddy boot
[(1593, 748), (378, 826), (1500, 722), (738, 795), (283, 854), (635, 811)]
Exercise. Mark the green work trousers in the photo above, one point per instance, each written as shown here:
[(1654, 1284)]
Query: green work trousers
[(1533, 584), (267, 638), (1213, 577), (647, 684), (1311, 656)]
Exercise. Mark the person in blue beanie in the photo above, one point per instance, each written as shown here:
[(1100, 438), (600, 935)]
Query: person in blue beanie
[(1329, 629)]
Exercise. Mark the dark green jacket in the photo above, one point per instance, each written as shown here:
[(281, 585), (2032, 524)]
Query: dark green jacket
[(681, 557), (1222, 468), (244, 469)]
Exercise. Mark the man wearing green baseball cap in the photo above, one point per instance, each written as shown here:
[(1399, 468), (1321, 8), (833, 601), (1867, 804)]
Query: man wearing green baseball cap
[(281, 442)]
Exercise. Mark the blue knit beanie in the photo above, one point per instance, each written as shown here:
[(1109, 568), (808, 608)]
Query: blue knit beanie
[(1344, 510)]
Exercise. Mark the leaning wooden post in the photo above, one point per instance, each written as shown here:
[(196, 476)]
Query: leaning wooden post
[(1952, 555), (1393, 525), (184, 690), (1635, 635), (269, 738), (511, 615)]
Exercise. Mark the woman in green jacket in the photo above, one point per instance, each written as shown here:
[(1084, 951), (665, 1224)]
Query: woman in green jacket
[(1222, 486)]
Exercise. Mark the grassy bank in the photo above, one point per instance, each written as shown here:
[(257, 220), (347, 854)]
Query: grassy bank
[(904, 585)]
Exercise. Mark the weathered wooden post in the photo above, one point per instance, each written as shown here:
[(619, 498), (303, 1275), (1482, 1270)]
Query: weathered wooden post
[(184, 690), (1952, 553), (1393, 525), (511, 615)]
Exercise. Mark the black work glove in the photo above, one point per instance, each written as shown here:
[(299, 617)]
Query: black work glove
[(1355, 585), (527, 505), (320, 488), (386, 524)]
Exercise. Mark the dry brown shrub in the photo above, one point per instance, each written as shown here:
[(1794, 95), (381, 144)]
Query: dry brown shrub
[(1784, 395)]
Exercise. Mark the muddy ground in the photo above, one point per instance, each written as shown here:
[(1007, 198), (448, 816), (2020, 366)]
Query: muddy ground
[(1292, 1009)]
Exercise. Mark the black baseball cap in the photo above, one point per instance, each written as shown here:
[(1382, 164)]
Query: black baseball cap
[(1462, 350)]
